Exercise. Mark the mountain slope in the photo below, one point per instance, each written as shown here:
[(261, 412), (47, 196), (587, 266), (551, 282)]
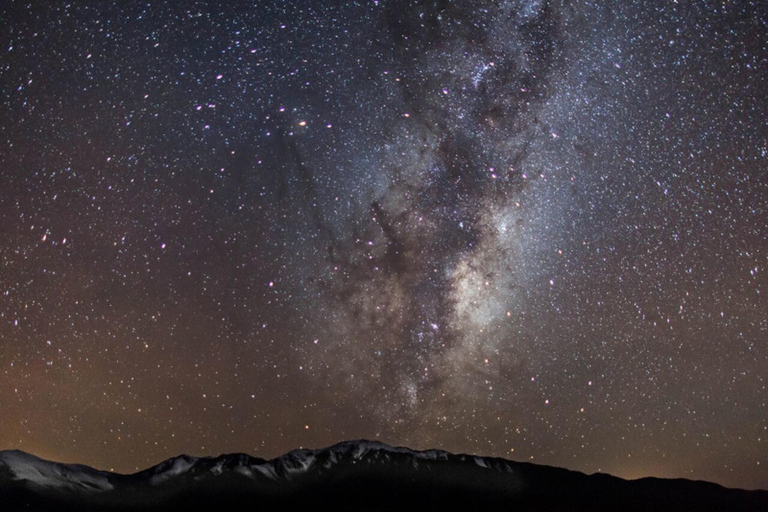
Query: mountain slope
[(41, 474), (353, 475)]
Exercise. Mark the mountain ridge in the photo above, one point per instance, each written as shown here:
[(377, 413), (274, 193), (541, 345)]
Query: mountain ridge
[(361, 475)]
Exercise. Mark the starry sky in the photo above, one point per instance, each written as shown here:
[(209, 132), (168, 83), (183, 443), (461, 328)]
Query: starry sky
[(528, 229)]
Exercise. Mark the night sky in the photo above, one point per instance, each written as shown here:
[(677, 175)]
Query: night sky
[(527, 229)]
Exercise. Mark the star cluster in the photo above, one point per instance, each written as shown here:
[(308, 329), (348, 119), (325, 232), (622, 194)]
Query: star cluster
[(526, 229)]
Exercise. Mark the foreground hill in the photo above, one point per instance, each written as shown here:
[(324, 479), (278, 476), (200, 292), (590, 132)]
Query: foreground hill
[(354, 475)]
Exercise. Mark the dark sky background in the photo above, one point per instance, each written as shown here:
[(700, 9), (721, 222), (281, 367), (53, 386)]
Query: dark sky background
[(528, 229)]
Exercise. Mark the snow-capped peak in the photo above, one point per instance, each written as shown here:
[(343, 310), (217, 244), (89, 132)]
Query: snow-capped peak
[(171, 468), (359, 449)]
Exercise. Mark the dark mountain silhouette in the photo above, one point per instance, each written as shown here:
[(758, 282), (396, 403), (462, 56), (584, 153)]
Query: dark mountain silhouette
[(353, 475)]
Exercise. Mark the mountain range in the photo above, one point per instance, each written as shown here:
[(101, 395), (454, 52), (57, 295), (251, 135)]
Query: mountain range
[(352, 475)]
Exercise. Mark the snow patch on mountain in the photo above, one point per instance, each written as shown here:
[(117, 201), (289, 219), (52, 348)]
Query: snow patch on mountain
[(295, 462), (360, 449), (171, 468), (52, 475), (267, 470)]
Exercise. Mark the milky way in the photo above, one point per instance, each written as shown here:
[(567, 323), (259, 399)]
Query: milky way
[(526, 229)]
